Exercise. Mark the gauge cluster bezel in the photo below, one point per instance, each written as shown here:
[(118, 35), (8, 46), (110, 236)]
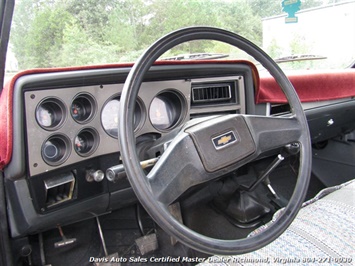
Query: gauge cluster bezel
[(95, 99), (174, 95)]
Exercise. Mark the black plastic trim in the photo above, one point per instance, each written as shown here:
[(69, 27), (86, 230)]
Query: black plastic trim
[(5, 250), (331, 120), (24, 219)]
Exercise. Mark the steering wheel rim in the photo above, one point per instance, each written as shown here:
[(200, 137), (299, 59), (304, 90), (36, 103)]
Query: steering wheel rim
[(138, 180)]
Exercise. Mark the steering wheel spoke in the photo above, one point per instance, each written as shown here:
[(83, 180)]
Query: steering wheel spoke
[(178, 169), (271, 133)]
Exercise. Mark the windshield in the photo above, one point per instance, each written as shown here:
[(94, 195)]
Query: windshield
[(59, 33)]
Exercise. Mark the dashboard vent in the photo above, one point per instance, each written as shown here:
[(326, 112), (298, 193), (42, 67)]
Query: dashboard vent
[(211, 93)]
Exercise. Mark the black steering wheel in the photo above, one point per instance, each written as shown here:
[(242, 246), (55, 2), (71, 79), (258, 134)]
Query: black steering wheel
[(193, 157)]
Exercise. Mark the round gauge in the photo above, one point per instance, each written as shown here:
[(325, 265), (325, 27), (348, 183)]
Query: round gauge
[(81, 144), (78, 111), (109, 116), (55, 150), (82, 108), (86, 142), (50, 113), (165, 110)]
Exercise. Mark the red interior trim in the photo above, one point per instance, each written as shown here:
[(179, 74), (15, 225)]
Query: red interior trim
[(310, 86), (6, 99)]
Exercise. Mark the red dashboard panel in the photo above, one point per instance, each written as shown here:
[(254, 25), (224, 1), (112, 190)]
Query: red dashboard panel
[(310, 86)]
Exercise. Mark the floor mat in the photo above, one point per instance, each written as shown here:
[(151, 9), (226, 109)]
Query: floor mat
[(283, 179), (205, 220), (87, 244), (120, 230)]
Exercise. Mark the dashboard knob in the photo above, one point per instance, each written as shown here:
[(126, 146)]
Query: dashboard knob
[(92, 175), (116, 173)]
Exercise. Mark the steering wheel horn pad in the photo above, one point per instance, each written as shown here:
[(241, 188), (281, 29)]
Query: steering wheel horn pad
[(222, 141)]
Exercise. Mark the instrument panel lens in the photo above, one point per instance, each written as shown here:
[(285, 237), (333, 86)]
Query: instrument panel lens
[(82, 144), (83, 108), (78, 111), (86, 142), (109, 116), (161, 113), (50, 114), (56, 149), (46, 116), (51, 150), (166, 110)]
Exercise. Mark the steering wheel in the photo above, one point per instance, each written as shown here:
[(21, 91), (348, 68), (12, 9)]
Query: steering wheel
[(193, 157)]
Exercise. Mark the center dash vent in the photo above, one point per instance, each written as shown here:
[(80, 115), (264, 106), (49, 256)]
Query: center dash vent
[(210, 93)]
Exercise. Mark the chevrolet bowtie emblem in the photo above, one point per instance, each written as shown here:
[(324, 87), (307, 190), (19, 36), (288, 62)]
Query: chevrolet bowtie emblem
[(224, 140)]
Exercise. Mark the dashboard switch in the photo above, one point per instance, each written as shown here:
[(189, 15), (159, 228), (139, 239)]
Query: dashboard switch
[(115, 173), (92, 175)]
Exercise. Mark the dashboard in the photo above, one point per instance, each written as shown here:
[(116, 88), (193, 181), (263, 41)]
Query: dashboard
[(65, 127), (65, 133)]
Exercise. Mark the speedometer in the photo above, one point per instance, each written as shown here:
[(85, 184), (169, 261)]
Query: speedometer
[(109, 116)]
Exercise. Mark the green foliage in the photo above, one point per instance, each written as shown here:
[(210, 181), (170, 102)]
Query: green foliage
[(49, 33), (265, 8), (311, 3), (45, 35), (233, 16), (91, 15), (20, 31), (274, 50)]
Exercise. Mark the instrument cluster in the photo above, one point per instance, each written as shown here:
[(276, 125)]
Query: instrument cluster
[(68, 124)]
